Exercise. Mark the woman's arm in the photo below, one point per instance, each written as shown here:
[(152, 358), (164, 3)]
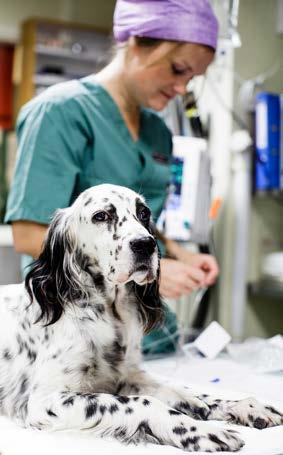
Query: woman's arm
[(28, 237)]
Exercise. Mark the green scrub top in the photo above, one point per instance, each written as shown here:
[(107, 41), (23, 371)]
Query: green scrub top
[(73, 136)]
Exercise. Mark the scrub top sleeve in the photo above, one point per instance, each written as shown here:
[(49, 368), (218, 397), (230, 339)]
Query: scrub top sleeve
[(48, 163)]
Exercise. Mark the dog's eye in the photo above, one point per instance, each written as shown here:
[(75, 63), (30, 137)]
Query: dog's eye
[(100, 216), (144, 215)]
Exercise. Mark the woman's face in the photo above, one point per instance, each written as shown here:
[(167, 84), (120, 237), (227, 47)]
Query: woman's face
[(155, 75)]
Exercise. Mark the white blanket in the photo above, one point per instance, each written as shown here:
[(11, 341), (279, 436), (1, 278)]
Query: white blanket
[(223, 378)]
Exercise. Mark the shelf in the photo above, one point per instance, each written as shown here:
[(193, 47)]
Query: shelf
[(61, 52), (48, 79), (55, 51), (266, 289)]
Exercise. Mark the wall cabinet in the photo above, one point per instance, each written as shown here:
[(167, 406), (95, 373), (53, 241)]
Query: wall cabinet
[(56, 51)]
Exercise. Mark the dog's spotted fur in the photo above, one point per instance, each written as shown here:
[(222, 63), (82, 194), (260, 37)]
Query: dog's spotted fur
[(70, 336)]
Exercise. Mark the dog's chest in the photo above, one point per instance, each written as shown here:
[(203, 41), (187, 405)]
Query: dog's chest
[(101, 351)]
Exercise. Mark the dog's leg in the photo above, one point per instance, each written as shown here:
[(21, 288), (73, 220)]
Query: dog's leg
[(179, 398), (128, 419), (248, 412)]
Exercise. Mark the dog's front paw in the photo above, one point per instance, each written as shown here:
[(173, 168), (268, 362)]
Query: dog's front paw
[(248, 412), (204, 437), (193, 407), (251, 413)]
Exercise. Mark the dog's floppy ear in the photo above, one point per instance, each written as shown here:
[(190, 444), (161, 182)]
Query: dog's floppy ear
[(150, 305), (54, 278)]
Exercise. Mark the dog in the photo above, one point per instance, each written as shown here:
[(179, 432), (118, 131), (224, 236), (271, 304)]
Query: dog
[(70, 336)]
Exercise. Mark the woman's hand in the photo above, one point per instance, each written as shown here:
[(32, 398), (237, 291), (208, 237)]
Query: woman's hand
[(207, 264), (188, 272), (178, 278)]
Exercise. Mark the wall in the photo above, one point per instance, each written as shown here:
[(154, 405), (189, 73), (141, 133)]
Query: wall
[(13, 12), (262, 45), (262, 48)]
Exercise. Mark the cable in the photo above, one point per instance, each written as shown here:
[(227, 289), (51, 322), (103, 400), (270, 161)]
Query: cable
[(231, 111)]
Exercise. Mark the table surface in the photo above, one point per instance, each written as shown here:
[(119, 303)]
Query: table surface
[(222, 377)]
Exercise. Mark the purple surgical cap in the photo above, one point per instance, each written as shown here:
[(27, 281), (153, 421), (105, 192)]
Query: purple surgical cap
[(191, 21)]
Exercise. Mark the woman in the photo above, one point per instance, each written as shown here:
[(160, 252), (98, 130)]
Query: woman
[(99, 129)]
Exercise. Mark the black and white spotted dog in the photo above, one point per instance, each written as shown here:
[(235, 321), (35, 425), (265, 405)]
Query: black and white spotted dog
[(70, 336)]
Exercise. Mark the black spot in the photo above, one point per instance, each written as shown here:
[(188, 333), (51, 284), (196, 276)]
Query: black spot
[(68, 402), (113, 218), (23, 325), (136, 398), (193, 428), (120, 432), (100, 308), (90, 409), (51, 413), (180, 430), (54, 356), (188, 442), (123, 399), (271, 409), (129, 410), (97, 278), (194, 411), (115, 312), (20, 343), (250, 417), (114, 354), (24, 385), (212, 437), (84, 368), (146, 402), (7, 354), (113, 408), (31, 355), (172, 412), (102, 408), (88, 201)]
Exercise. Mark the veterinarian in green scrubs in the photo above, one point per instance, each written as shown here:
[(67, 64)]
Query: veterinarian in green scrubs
[(103, 129)]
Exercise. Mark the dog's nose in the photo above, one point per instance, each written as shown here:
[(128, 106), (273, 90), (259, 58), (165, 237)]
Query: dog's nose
[(143, 245)]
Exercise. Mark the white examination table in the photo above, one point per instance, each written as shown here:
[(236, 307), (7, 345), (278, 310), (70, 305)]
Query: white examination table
[(219, 377)]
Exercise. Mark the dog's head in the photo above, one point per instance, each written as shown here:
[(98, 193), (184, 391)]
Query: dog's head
[(105, 238), (112, 225)]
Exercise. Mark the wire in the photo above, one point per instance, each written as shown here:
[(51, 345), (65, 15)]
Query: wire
[(231, 111)]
